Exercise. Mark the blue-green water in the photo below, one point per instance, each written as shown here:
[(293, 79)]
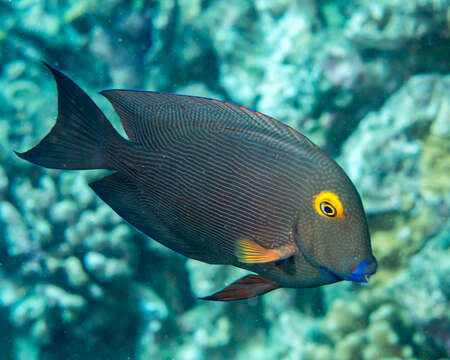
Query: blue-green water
[(367, 81)]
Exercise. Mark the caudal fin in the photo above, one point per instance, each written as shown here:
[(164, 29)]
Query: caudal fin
[(78, 139)]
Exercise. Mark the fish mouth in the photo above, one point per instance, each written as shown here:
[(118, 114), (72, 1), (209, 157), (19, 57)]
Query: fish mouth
[(358, 278), (364, 278), (363, 271)]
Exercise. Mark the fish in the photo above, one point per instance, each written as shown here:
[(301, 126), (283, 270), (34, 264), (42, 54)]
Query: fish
[(216, 182)]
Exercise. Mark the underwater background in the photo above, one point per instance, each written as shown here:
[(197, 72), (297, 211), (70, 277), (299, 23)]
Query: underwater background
[(367, 81)]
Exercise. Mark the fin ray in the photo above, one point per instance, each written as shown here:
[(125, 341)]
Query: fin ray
[(249, 252), (76, 141), (244, 288), (156, 119)]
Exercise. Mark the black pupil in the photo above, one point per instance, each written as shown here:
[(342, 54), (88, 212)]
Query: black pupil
[(328, 209)]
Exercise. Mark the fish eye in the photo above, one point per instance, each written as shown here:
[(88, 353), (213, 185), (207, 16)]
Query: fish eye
[(328, 204), (327, 209)]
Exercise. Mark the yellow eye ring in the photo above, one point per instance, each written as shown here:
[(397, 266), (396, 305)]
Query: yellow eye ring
[(329, 205)]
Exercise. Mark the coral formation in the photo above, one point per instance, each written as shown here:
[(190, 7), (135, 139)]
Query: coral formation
[(367, 81)]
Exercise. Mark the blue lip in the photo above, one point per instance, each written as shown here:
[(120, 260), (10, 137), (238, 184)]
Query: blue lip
[(360, 273)]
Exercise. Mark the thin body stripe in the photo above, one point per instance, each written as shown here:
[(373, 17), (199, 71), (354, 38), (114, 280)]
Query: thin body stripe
[(215, 171)]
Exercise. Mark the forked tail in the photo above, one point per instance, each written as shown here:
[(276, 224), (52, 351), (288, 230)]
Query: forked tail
[(78, 139)]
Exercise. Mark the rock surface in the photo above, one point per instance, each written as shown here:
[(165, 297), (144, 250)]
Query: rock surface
[(367, 81)]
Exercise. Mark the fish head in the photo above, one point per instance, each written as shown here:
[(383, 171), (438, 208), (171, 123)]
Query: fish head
[(332, 230)]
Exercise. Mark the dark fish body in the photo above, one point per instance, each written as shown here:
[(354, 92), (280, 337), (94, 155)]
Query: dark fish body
[(218, 183)]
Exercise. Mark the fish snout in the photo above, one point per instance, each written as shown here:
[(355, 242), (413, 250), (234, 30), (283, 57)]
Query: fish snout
[(363, 270)]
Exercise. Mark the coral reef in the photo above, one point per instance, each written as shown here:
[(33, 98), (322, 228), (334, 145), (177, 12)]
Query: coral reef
[(407, 144), (367, 81)]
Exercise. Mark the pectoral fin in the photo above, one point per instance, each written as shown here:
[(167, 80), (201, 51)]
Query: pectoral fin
[(244, 288), (249, 252)]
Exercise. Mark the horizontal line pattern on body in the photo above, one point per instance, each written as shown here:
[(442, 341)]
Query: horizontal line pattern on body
[(151, 117), (212, 170)]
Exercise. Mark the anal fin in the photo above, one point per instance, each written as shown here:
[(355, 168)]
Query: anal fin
[(124, 196), (247, 287)]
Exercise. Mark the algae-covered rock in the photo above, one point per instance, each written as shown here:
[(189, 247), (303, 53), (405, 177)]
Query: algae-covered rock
[(344, 317), (367, 81), (390, 159), (390, 25), (106, 269), (314, 80), (383, 155), (15, 237), (424, 289)]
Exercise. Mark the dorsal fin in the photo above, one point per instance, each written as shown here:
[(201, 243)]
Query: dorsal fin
[(156, 119)]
